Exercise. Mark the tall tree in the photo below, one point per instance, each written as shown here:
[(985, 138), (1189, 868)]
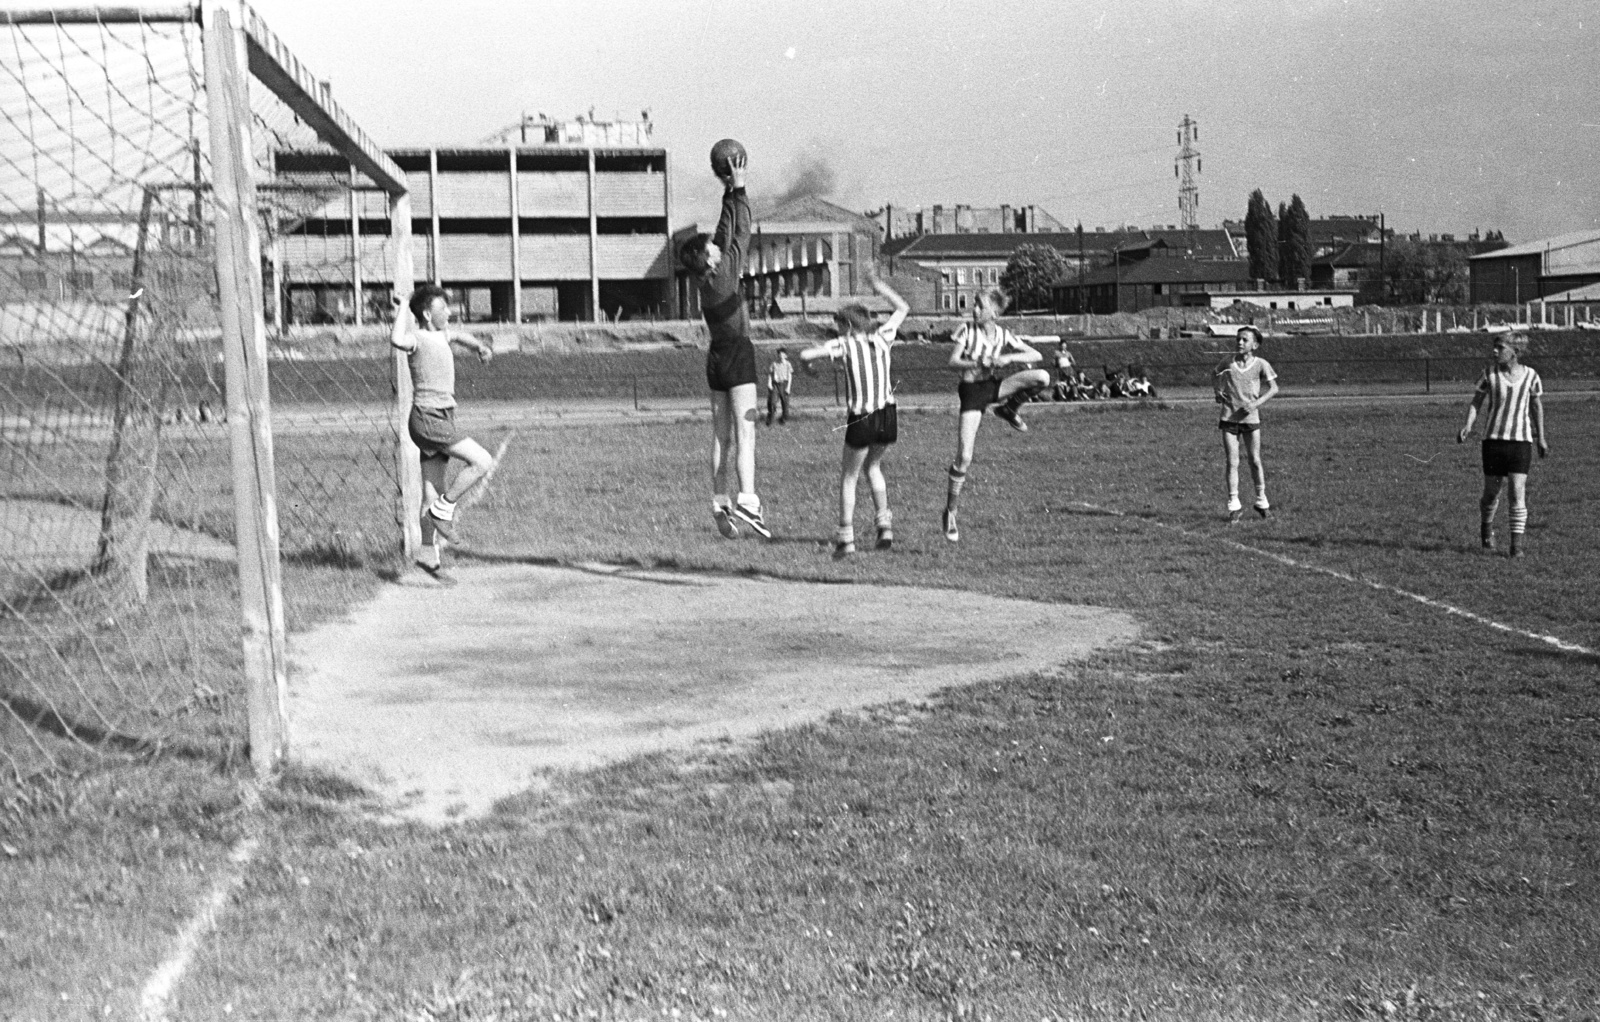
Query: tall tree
[(1296, 246), (1283, 247), (1030, 273), (1261, 237)]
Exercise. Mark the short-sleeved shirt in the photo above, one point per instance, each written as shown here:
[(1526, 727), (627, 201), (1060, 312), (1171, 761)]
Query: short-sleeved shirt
[(974, 344), (866, 368), (1509, 396), (433, 370), (780, 373), (1240, 383)]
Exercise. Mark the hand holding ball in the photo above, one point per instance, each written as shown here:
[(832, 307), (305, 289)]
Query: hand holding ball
[(723, 155)]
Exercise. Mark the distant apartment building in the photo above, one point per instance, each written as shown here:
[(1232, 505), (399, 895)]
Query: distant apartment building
[(562, 226), (968, 263), (904, 221)]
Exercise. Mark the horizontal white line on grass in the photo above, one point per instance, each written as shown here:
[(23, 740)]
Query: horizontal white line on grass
[(157, 992), (1428, 601)]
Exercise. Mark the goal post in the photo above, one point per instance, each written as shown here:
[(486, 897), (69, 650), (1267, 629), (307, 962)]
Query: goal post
[(139, 215)]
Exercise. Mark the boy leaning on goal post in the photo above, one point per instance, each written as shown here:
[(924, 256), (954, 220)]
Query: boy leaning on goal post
[(425, 337), (871, 423)]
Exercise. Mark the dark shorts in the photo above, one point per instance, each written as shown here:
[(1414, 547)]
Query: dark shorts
[(731, 365), (1507, 457), (879, 427), (433, 430), (1238, 428), (977, 396)]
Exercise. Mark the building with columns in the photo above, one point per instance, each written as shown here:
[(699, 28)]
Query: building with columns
[(516, 233), (806, 254)]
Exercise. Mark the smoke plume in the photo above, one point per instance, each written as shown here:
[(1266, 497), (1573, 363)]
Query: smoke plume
[(810, 174)]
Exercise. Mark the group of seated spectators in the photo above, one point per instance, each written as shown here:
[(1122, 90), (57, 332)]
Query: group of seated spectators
[(1073, 384)]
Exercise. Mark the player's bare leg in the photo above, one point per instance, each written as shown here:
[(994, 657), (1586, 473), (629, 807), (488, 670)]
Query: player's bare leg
[(441, 510), (1486, 508), (722, 441), (433, 475), (883, 518), (1258, 472), (966, 440), (844, 538), (1016, 389), (1230, 450), (742, 412)]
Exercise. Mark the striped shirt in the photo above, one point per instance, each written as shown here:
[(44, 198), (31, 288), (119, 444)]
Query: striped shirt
[(866, 369), (1509, 395), (975, 344)]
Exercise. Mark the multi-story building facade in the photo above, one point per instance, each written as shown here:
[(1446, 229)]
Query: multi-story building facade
[(517, 233), (904, 221)]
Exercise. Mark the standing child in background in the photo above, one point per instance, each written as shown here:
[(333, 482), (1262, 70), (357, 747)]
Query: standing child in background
[(424, 336), (983, 353), (1243, 384), (872, 423), (717, 262), (780, 376), (1513, 423)]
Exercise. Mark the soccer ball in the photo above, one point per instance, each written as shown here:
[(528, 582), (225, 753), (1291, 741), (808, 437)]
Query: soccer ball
[(724, 151)]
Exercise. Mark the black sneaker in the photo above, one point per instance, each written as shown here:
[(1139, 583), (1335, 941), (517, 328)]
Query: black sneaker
[(951, 531), (1234, 514), (1487, 540), (1264, 512), (437, 573), (885, 539), (751, 516), (1008, 415), (724, 518), (843, 550), (442, 527)]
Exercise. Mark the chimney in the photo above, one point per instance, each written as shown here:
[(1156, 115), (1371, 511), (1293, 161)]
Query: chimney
[(1030, 223), (938, 219), (1007, 224)]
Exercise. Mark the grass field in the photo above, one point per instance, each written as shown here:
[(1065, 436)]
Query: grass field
[(1296, 798)]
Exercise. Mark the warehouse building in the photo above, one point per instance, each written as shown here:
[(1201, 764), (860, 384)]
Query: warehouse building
[(569, 229), (1536, 269)]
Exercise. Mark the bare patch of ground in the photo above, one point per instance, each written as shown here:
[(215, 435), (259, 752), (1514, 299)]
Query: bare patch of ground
[(444, 701)]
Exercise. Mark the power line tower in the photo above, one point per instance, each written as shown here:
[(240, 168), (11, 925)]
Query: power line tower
[(1186, 168)]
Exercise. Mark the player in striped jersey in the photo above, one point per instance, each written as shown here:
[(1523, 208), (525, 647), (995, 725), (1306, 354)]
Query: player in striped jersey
[(984, 352), (1513, 424), (872, 424)]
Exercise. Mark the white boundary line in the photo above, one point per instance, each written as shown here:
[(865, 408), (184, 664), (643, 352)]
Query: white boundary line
[(156, 995), (1427, 601)]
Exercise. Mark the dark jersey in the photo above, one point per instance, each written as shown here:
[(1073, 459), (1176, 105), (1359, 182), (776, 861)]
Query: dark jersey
[(721, 299)]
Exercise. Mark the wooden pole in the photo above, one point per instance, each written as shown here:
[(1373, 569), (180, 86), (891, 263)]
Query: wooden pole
[(407, 459), (516, 239), (244, 349), (356, 286)]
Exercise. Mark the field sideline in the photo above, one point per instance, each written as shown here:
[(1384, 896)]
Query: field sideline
[(1296, 798)]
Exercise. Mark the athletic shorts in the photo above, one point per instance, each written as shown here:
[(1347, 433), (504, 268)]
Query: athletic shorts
[(978, 395), (1507, 457), (879, 427), (1238, 428), (731, 364), (433, 430)]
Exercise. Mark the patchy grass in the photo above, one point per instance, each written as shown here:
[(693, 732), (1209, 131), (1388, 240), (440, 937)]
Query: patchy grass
[(1295, 799)]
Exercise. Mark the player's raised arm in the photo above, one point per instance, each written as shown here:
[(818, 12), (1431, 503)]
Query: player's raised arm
[(400, 334), (733, 225), (901, 308)]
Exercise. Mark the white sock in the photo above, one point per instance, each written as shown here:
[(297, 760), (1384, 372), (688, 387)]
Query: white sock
[(444, 510), (750, 501)]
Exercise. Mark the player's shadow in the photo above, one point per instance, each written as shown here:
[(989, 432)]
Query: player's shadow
[(1543, 652), (1371, 543)]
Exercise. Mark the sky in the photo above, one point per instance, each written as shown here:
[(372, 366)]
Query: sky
[(1445, 116)]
